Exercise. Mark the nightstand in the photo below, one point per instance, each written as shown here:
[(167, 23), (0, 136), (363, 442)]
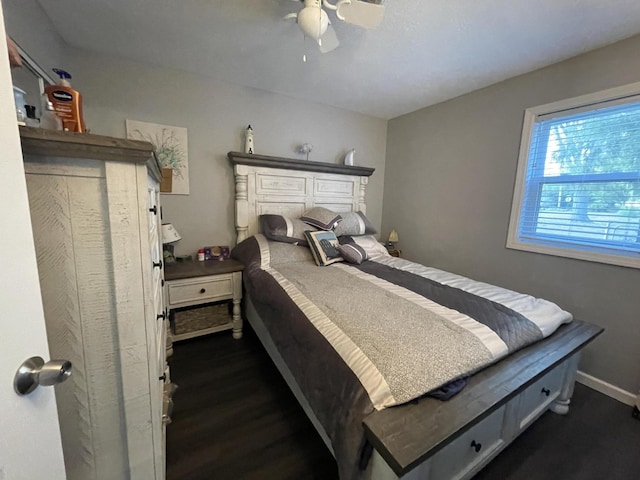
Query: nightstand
[(205, 285), (394, 252)]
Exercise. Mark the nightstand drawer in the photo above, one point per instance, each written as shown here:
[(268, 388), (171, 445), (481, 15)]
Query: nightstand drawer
[(202, 290)]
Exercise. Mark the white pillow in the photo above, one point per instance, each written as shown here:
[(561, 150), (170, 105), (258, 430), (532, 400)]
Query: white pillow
[(370, 245)]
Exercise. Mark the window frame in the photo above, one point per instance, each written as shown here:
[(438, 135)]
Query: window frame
[(532, 115)]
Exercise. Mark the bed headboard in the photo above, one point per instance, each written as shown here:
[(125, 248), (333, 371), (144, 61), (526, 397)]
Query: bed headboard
[(289, 187)]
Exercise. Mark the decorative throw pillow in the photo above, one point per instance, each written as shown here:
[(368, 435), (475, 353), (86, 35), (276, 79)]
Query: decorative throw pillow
[(323, 247), (354, 223), (368, 243), (281, 253), (321, 218), (284, 229), (352, 253)]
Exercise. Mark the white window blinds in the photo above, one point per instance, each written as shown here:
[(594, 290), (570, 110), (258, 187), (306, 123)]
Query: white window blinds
[(581, 185)]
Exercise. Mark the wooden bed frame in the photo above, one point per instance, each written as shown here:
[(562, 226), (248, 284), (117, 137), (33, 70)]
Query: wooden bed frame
[(431, 439)]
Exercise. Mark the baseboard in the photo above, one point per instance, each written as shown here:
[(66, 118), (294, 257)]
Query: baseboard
[(601, 386)]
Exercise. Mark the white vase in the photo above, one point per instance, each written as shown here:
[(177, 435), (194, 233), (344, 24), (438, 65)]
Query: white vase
[(348, 158)]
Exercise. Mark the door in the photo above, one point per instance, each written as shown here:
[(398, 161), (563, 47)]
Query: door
[(30, 445)]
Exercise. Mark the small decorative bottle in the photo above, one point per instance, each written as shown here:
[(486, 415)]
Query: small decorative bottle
[(31, 119), (49, 119), (248, 140)]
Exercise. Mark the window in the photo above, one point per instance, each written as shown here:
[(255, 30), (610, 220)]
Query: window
[(577, 190)]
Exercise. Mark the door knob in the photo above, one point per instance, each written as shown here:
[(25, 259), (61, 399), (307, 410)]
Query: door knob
[(34, 372)]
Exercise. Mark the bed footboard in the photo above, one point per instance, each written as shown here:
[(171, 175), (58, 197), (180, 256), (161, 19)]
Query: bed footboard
[(453, 440)]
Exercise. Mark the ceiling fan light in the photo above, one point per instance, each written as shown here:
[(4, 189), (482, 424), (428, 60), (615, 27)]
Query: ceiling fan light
[(313, 21)]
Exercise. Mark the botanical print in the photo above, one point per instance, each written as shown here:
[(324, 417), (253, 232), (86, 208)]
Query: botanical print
[(171, 148)]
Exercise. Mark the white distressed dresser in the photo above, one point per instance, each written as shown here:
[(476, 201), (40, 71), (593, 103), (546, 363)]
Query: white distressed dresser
[(96, 219)]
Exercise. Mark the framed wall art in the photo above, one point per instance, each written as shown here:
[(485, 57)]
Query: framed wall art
[(171, 148)]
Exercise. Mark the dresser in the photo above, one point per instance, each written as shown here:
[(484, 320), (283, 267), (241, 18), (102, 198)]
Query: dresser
[(95, 211)]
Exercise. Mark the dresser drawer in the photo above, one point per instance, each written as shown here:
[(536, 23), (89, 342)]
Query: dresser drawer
[(537, 398), (471, 449), (200, 290)]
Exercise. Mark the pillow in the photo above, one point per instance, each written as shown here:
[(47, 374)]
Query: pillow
[(323, 247), (352, 253), (368, 243), (321, 217), (284, 229), (354, 223), (282, 253)]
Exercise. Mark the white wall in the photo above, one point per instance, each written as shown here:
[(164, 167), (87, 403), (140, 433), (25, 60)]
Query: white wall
[(216, 115), (449, 185)]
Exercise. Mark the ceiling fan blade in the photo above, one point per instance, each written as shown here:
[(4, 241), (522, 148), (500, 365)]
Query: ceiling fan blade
[(329, 41), (362, 14)]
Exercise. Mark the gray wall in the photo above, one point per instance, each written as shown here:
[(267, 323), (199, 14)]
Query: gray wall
[(30, 28), (216, 115), (448, 191), (449, 183), (28, 25)]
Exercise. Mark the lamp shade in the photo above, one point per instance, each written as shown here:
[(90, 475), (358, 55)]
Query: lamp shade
[(393, 236), (169, 233)]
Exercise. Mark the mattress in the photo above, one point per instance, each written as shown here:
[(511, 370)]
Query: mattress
[(359, 338)]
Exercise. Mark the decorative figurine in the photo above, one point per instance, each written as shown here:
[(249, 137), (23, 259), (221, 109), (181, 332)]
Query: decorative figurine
[(305, 148), (348, 158), (248, 140)]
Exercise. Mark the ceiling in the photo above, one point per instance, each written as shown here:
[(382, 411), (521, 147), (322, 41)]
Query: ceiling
[(424, 52)]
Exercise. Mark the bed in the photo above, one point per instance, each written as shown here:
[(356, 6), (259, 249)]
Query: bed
[(376, 411)]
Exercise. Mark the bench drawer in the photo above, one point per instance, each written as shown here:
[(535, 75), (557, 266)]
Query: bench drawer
[(537, 398), (470, 449)]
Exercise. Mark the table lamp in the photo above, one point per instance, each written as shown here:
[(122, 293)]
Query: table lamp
[(169, 236), (393, 239)]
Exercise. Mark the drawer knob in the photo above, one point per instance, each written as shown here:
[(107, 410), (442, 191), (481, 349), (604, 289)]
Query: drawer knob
[(203, 290), (161, 316), (476, 446), (163, 377), (546, 392), (157, 264)]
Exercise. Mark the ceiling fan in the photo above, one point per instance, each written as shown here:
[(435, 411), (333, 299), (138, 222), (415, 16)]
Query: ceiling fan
[(314, 21)]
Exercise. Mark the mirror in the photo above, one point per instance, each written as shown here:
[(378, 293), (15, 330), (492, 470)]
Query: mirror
[(27, 78)]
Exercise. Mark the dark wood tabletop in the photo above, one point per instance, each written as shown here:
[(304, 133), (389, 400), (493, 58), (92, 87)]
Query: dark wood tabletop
[(178, 270)]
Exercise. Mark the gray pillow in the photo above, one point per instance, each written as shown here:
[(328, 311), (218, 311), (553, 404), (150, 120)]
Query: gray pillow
[(321, 218), (352, 253), (354, 223), (284, 229)]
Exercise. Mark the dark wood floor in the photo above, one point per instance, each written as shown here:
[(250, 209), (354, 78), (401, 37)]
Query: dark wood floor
[(235, 418), (597, 440)]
